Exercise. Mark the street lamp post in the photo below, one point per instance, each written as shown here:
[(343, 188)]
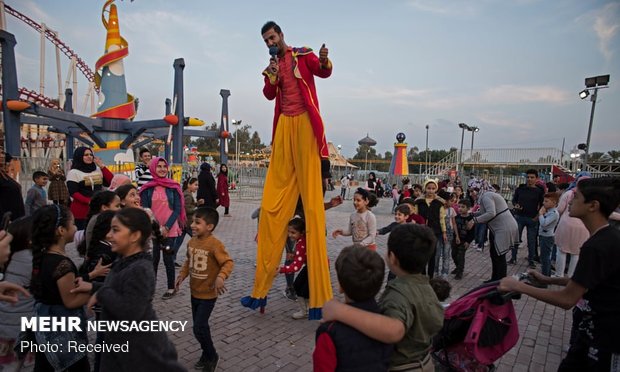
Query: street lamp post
[(236, 123), (426, 152), (592, 83), (471, 152), (459, 164)]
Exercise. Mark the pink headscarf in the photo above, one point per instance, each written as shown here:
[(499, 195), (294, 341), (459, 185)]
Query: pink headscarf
[(119, 179), (167, 183)]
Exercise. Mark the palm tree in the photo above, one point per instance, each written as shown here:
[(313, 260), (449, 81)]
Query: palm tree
[(612, 156)]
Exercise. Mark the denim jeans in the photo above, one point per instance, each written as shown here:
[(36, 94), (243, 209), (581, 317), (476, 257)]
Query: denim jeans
[(532, 235), (175, 244), (480, 233), (546, 245), (201, 312), (442, 254)]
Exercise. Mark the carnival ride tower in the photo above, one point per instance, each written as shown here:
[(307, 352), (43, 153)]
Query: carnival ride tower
[(114, 101), (399, 165)]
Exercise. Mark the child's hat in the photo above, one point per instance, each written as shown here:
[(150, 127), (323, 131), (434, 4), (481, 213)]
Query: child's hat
[(431, 180)]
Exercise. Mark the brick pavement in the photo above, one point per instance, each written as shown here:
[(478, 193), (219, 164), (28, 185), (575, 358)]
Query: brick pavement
[(249, 341)]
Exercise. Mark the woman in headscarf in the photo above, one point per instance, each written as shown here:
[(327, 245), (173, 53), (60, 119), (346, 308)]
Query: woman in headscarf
[(571, 233), (164, 197), (87, 176), (502, 225), (207, 195), (222, 189), (57, 191)]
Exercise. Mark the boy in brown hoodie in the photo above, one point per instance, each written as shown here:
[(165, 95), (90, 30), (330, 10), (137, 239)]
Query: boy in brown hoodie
[(208, 266)]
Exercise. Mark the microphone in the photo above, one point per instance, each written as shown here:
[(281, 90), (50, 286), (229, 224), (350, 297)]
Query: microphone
[(273, 52)]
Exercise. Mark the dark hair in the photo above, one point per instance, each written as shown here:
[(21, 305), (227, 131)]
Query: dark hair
[(416, 186), (371, 197), (495, 186), (604, 190), (99, 199), (532, 171), (404, 209), (45, 223), (413, 245), (551, 187), (20, 229), (102, 227), (269, 25), (410, 201), (38, 174), (465, 202), (188, 182), (563, 186), (441, 287), (135, 219), (552, 196), (143, 150), (445, 195), (298, 224), (123, 190), (360, 272), (208, 214)]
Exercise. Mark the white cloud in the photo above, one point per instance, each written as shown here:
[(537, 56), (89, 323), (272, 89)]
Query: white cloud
[(517, 94), (606, 26)]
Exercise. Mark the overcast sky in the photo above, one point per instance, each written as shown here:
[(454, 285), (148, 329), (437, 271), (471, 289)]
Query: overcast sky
[(512, 68)]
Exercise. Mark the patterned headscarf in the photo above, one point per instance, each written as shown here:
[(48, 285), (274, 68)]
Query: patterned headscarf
[(581, 175)]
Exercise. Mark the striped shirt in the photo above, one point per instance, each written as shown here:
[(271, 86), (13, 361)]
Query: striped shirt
[(143, 174)]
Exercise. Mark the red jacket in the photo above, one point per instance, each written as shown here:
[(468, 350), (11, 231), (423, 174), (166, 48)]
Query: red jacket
[(307, 65)]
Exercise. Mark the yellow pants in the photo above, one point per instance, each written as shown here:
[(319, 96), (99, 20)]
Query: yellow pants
[(294, 169)]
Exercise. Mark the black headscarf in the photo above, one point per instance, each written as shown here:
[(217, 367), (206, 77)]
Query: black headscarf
[(206, 186), (78, 162)]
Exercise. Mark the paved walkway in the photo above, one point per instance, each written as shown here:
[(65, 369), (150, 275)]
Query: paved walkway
[(249, 341)]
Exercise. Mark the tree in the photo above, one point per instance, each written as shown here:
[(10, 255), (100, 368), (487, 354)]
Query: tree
[(595, 156), (208, 144), (612, 156), (387, 155)]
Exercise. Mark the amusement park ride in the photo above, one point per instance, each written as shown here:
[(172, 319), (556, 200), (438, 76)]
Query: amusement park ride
[(111, 129)]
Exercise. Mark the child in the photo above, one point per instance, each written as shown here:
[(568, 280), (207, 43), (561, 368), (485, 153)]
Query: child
[(297, 233), (57, 191), (101, 201), (464, 236), (412, 315), (434, 213), (99, 256), (413, 216), (338, 346), (129, 196), (548, 217), (363, 223), (53, 277), (596, 281), (208, 265), (401, 216), (442, 289), (190, 186), (18, 270), (36, 196), (395, 197), (443, 252)]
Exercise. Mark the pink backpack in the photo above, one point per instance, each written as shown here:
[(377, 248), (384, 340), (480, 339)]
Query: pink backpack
[(479, 328)]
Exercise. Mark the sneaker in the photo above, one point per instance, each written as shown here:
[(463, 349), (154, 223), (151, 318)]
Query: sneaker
[(290, 294), (300, 315), (512, 262), (227, 215), (453, 271), (211, 365), (168, 295), (176, 264), (200, 364)]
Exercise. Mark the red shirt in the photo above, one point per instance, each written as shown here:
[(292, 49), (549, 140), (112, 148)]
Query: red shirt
[(299, 260), (292, 101)]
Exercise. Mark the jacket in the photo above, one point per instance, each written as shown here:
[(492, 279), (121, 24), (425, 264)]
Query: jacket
[(307, 65)]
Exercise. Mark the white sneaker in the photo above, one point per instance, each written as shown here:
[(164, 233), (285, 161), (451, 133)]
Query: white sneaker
[(300, 315)]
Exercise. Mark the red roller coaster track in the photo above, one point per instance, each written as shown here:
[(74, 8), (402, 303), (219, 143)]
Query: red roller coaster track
[(31, 95)]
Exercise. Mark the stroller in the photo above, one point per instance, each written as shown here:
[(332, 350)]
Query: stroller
[(479, 328)]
